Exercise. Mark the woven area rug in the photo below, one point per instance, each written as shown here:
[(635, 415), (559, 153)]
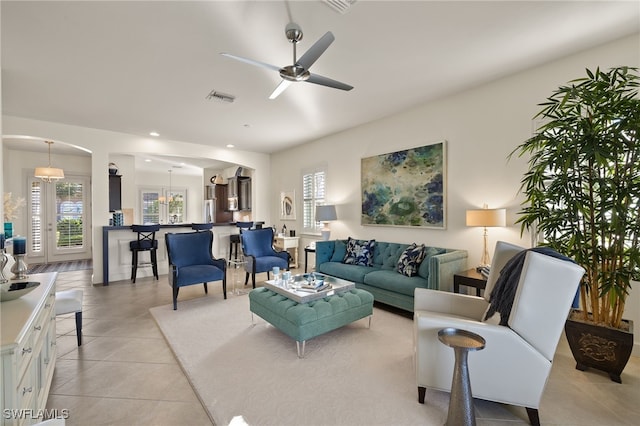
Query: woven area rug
[(75, 265), (350, 376)]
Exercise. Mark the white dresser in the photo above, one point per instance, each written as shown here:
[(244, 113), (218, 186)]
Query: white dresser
[(28, 334)]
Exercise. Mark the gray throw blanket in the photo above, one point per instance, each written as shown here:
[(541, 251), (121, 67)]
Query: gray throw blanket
[(501, 299)]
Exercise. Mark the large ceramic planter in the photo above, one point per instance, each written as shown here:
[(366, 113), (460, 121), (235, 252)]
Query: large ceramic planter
[(600, 347)]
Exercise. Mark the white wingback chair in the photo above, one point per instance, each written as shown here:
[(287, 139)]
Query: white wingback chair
[(514, 366)]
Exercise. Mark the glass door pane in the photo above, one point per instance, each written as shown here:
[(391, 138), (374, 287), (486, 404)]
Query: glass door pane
[(69, 218), (59, 227)]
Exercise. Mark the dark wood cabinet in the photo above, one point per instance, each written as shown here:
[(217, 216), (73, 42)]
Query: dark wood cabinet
[(222, 212), (244, 194), (115, 193), (240, 189), (469, 278)]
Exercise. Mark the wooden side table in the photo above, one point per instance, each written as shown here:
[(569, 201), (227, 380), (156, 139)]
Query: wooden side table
[(469, 278)]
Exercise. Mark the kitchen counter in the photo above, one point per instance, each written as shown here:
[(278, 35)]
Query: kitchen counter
[(116, 255), (174, 225)]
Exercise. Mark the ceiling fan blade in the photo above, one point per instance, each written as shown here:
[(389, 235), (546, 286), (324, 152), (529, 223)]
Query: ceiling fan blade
[(280, 88), (314, 52), (326, 81), (251, 62)]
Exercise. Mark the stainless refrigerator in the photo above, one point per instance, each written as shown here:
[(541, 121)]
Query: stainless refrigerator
[(209, 213)]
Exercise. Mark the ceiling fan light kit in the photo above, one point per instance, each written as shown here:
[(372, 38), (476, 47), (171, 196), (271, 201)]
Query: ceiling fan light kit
[(299, 70)]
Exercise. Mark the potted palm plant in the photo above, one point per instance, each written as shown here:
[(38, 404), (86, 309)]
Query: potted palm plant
[(582, 198)]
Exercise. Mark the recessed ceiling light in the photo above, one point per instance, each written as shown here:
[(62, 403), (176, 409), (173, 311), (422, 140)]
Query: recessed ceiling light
[(229, 145), (154, 134), (147, 160)]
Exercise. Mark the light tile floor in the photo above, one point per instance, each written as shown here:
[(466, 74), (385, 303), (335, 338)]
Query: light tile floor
[(125, 373)]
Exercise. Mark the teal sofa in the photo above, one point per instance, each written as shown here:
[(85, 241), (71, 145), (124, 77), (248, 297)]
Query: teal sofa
[(382, 279)]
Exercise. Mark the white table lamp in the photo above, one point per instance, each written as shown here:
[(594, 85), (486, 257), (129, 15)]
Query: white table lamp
[(486, 218), (325, 214)]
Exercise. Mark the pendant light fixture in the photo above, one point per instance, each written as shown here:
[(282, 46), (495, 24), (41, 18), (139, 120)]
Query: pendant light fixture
[(169, 198), (49, 174)]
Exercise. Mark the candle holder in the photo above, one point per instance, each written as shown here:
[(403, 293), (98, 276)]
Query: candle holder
[(4, 259), (19, 268)]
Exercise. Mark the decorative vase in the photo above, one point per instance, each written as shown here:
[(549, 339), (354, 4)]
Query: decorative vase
[(20, 267), (603, 348), (113, 169), (4, 259)]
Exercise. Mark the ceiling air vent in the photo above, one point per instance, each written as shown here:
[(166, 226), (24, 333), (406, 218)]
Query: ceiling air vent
[(340, 6), (220, 97)]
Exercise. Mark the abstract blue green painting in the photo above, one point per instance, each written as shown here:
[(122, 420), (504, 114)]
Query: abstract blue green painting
[(405, 188)]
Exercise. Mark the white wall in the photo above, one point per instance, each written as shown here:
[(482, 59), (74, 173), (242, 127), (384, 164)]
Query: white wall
[(132, 181), (481, 127), (103, 144), (19, 165)]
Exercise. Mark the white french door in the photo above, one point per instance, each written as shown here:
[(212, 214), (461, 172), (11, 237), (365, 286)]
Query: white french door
[(59, 221)]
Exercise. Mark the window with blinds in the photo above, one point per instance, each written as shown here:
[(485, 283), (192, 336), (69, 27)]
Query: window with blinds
[(313, 194), (160, 205), (150, 207), (36, 217)]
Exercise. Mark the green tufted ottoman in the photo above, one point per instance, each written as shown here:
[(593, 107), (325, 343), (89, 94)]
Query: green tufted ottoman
[(303, 321)]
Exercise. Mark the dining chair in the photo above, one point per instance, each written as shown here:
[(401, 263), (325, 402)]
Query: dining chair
[(191, 262)]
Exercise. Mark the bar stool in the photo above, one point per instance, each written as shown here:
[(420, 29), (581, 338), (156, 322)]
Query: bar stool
[(146, 242), (234, 239), (68, 302)]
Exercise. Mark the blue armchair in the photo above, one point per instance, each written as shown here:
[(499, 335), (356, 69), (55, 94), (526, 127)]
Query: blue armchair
[(259, 254), (191, 262)]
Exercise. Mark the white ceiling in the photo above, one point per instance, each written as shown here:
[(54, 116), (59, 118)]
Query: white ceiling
[(141, 66)]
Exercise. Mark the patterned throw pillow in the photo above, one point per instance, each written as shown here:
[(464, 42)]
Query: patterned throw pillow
[(359, 253), (410, 260)]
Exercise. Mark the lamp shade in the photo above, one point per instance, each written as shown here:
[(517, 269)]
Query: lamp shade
[(326, 213), (49, 173), (487, 217)]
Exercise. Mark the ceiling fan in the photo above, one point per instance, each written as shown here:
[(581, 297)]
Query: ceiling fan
[(299, 71)]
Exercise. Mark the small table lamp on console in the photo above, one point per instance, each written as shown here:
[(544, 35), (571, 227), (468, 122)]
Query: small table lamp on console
[(486, 218), (325, 214)]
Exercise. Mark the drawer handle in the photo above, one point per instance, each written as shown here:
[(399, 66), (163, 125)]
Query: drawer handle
[(53, 344), (25, 390), (37, 327), (26, 351), (47, 305)]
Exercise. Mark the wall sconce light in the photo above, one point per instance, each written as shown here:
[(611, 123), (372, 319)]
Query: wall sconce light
[(325, 214), (49, 174), (486, 218)]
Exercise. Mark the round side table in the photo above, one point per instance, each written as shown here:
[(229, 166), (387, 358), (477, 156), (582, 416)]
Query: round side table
[(461, 409)]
